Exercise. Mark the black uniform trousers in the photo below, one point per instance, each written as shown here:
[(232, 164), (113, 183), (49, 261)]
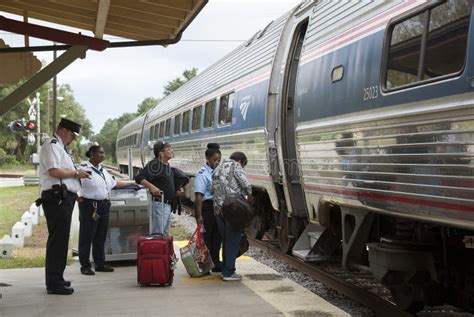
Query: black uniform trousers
[(93, 231), (212, 237), (58, 213)]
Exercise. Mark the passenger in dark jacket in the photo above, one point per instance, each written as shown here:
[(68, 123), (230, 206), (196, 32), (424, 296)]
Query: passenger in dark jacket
[(158, 177)]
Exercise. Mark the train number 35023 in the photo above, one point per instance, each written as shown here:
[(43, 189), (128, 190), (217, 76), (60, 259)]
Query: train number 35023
[(371, 92)]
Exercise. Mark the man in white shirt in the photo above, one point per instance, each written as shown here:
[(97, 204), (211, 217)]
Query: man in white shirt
[(60, 182)]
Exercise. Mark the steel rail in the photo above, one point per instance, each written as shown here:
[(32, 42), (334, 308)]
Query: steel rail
[(380, 306)]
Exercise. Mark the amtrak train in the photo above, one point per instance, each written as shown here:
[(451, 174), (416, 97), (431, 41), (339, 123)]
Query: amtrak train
[(357, 118)]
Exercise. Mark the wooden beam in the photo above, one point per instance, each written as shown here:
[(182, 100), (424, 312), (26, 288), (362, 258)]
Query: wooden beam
[(102, 13), (50, 34), (42, 77), (151, 8), (183, 5), (149, 17)]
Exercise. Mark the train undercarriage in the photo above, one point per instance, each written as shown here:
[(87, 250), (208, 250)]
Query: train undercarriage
[(420, 263)]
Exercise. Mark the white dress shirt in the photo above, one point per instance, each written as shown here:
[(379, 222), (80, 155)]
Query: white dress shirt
[(53, 155), (100, 183)]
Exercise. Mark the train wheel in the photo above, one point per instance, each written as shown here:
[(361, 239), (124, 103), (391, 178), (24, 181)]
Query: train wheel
[(407, 297)]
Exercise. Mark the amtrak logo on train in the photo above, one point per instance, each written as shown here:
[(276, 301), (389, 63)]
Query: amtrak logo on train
[(244, 106)]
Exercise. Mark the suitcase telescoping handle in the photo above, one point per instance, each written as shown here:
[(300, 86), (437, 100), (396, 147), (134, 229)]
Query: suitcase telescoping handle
[(150, 221)]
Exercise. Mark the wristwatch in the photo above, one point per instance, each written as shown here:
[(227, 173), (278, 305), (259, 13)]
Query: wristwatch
[(77, 174)]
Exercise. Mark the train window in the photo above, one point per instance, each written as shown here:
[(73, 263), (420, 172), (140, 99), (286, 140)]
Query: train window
[(177, 124), (167, 127), (196, 118), (337, 73), (225, 108), (162, 130), (185, 127), (157, 128), (209, 111), (151, 132), (429, 45)]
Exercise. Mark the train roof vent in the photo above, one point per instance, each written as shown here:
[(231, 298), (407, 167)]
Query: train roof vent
[(251, 39), (262, 32)]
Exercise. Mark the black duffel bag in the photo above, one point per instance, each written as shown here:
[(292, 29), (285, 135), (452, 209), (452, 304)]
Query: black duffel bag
[(237, 211)]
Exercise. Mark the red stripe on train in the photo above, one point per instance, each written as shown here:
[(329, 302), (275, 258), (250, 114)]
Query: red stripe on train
[(397, 198)]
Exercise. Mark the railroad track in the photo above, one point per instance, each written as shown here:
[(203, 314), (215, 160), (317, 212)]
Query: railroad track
[(380, 306), (345, 282)]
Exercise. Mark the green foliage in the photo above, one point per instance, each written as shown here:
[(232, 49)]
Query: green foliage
[(108, 134), (15, 200), (15, 144), (147, 104), (7, 159), (178, 82)]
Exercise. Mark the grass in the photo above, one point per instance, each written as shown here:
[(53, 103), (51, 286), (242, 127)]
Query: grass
[(19, 169), (14, 202)]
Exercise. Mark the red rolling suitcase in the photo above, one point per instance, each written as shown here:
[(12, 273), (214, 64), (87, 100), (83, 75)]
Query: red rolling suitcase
[(155, 257)]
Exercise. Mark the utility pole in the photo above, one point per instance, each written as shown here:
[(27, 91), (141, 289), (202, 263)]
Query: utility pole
[(55, 95), (38, 123)]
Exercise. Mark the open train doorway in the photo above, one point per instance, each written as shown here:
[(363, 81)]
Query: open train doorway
[(292, 222)]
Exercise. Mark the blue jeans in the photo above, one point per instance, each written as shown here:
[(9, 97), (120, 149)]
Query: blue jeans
[(231, 243), (160, 211)]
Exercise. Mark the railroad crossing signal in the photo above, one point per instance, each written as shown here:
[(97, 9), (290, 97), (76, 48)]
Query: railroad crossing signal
[(17, 126), (30, 139), (22, 125), (30, 126)]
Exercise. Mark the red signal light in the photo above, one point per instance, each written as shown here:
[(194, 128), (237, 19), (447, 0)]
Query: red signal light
[(30, 126)]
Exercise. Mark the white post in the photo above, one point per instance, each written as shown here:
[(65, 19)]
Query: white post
[(38, 123), (130, 167)]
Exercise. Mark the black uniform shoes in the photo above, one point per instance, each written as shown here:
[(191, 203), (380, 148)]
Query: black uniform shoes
[(104, 268), (61, 290), (87, 271)]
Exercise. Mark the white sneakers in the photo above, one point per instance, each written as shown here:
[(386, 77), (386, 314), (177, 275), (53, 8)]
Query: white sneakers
[(233, 277)]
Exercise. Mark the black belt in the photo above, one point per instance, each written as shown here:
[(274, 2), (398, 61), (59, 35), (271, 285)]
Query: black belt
[(97, 200), (49, 191), (158, 199)]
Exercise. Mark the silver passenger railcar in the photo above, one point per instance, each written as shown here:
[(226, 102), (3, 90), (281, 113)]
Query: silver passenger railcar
[(358, 121)]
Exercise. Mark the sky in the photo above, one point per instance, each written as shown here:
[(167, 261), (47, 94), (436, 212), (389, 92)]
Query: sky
[(112, 82)]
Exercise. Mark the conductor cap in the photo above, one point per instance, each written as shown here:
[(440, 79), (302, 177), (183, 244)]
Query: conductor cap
[(70, 125)]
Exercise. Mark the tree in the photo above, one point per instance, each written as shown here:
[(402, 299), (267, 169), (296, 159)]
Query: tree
[(16, 144), (107, 136), (147, 104), (178, 82)]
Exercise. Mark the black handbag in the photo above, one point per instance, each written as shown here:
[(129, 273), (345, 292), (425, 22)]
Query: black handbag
[(237, 211)]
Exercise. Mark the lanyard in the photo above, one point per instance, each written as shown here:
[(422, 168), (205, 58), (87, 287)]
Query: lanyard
[(99, 172)]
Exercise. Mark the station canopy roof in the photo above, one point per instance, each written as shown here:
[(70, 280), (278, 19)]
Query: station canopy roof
[(138, 20), (134, 22)]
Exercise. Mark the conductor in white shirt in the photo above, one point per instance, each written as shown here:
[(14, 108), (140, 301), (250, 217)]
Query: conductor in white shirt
[(94, 207), (60, 182)]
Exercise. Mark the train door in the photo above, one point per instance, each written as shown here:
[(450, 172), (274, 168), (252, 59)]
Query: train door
[(145, 136), (295, 221)]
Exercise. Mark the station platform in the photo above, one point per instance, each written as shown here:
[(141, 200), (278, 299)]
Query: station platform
[(262, 292)]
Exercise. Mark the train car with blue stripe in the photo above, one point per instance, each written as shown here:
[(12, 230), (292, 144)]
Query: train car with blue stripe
[(357, 118)]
